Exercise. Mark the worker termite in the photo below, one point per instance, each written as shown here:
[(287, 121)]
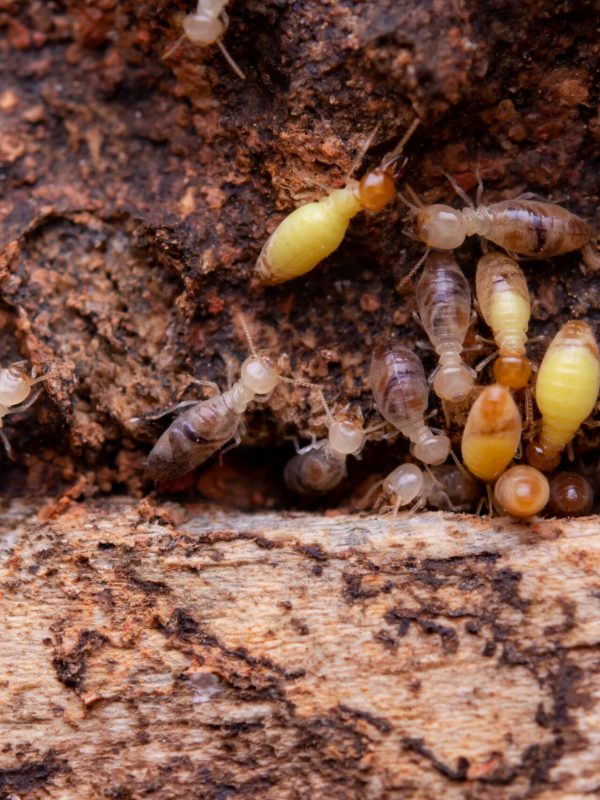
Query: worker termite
[(528, 227), (444, 303), (400, 389), (313, 231), (320, 467), (446, 487), (15, 394), (571, 495), (208, 425), (566, 390), (492, 433), (204, 26), (503, 299), (521, 492)]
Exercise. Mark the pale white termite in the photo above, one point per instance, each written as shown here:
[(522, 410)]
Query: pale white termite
[(207, 25), (206, 426), (16, 394), (321, 466), (447, 487), (444, 303), (524, 226)]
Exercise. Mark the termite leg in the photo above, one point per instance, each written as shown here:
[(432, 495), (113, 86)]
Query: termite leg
[(7, 445)]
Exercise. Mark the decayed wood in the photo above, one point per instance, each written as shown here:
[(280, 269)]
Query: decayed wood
[(167, 652)]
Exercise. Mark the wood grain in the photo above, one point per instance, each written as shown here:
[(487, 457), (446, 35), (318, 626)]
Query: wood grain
[(170, 652)]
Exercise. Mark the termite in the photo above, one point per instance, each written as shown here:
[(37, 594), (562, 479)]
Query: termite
[(208, 425), (313, 231), (528, 227), (492, 433), (571, 495), (444, 303), (446, 487), (16, 395), (521, 492), (400, 389), (566, 391), (503, 299), (207, 25), (320, 467)]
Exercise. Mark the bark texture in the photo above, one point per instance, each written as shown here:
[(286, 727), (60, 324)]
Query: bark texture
[(160, 652)]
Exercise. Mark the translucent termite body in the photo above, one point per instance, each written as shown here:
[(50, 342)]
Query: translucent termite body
[(15, 394), (503, 299), (528, 227), (492, 433), (205, 26), (444, 304), (313, 231), (566, 391), (521, 492), (320, 467), (400, 389), (571, 495), (206, 426), (444, 487)]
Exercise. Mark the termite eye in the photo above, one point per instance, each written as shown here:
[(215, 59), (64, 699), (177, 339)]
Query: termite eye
[(376, 189), (344, 437), (512, 371), (259, 375)]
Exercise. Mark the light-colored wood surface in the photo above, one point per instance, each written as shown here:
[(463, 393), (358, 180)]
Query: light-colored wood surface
[(181, 653)]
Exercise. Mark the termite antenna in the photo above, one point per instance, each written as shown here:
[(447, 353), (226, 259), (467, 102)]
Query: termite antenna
[(317, 388), (230, 60), (461, 467), (459, 191), (358, 159), (395, 154), (174, 47), (416, 267), (247, 334)]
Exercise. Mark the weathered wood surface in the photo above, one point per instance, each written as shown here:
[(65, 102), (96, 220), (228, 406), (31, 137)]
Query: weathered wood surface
[(180, 653)]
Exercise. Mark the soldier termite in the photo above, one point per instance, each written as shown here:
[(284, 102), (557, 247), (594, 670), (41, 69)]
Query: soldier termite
[(446, 487), (206, 426), (521, 492), (15, 394), (571, 495), (503, 300), (313, 231), (444, 303), (400, 389), (492, 433), (530, 228), (320, 467), (566, 391), (204, 26)]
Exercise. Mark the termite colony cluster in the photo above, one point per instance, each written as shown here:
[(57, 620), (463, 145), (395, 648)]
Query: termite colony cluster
[(566, 385)]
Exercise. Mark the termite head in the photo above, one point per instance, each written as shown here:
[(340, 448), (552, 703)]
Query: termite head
[(522, 492), (204, 26), (259, 375), (439, 226), (404, 484), (512, 371), (346, 434), (431, 448), (453, 382), (15, 384), (376, 189)]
